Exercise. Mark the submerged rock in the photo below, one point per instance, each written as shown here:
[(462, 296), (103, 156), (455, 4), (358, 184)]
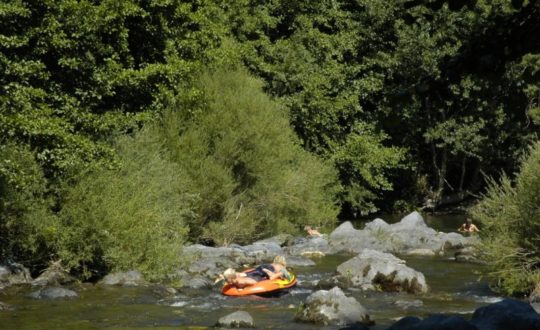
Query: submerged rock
[(239, 319), (371, 269), (53, 293), (468, 254), (332, 307), (5, 307)]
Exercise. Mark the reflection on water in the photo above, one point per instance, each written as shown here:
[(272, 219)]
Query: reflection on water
[(455, 288)]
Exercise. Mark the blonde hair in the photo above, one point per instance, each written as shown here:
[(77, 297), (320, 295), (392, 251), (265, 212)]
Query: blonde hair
[(229, 273), (280, 260)]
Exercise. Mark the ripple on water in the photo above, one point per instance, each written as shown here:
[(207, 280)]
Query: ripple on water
[(300, 291), (179, 304), (487, 299)]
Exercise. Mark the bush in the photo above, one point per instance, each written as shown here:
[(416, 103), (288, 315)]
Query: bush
[(133, 217), (25, 217), (510, 215), (252, 176)]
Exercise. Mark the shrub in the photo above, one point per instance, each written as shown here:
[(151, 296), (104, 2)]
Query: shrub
[(252, 176), (25, 217), (510, 215), (133, 217)]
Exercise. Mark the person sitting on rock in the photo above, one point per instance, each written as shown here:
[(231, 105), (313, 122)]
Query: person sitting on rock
[(468, 227), (312, 232)]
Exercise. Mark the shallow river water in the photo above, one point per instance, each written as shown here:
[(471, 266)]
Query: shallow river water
[(455, 288)]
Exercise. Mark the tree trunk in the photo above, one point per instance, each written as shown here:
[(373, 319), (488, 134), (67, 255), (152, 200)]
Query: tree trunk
[(442, 172), (462, 177)]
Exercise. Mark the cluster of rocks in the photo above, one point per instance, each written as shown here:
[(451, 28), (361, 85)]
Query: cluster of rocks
[(373, 246), (409, 236), (56, 283), (333, 307), (372, 266)]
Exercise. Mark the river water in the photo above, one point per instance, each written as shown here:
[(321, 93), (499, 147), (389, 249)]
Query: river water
[(455, 288)]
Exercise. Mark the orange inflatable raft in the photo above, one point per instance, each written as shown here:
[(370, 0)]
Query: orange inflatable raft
[(261, 287)]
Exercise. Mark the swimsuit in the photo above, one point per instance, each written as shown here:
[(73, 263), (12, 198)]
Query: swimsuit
[(258, 274)]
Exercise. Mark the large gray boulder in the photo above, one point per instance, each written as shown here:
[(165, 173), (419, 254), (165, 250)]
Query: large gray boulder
[(299, 261), (309, 246), (13, 274), (130, 278), (332, 307), (345, 238), (407, 236), (239, 319), (506, 314), (280, 239), (210, 267), (263, 251), (371, 269), (433, 322), (196, 282), (53, 293)]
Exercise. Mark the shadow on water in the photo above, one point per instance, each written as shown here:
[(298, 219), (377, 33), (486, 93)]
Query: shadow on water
[(455, 288)]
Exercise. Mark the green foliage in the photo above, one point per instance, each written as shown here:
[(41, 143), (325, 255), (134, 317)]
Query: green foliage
[(528, 202), (363, 163), (418, 96), (133, 217), (428, 75), (311, 57), (511, 218), (251, 174), (74, 73), (25, 217)]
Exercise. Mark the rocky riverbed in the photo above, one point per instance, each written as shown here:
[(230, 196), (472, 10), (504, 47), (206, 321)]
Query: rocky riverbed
[(363, 277)]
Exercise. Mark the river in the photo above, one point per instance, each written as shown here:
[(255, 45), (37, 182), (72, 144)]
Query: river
[(455, 288)]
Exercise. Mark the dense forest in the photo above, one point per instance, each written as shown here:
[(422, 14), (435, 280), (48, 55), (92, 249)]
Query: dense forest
[(128, 128)]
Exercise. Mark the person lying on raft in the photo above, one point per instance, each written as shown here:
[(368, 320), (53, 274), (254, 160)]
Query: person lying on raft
[(277, 269), (238, 279)]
